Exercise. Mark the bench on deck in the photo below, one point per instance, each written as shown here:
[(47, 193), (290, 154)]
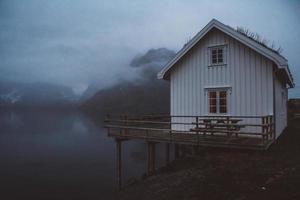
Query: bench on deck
[(218, 125)]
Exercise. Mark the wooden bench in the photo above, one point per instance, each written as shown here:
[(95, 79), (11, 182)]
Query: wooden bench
[(222, 125)]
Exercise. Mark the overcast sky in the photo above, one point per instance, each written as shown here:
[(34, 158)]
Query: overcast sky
[(78, 42)]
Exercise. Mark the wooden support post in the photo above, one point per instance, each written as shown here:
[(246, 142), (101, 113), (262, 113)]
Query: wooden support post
[(151, 158), (195, 149), (176, 150), (183, 150), (119, 162), (167, 153)]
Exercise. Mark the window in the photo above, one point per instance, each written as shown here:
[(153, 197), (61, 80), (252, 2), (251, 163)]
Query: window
[(217, 101), (212, 102), (217, 55)]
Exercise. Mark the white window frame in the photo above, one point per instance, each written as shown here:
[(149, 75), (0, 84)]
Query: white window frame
[(218, 90), (224, 51)]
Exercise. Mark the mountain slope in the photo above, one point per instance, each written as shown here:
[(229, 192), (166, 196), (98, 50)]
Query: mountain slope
[(13, 94), (142, 96)]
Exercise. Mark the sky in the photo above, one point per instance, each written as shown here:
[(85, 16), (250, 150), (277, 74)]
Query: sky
[(81, 42)]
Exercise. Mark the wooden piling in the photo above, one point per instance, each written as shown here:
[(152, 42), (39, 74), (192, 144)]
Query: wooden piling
[(119, 163), (176, 150), (167, 153), (151, 158), (182, 150)]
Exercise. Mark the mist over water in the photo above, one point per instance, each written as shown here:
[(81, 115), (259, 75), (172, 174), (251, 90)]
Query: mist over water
[(62, 155)]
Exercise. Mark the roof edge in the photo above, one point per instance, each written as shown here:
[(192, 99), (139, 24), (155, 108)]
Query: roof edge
[(279, 60)]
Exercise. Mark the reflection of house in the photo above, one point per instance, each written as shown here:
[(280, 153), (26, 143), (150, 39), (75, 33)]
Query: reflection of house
[(225, 73)]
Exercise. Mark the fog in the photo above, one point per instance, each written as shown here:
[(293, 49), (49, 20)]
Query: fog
[(77, 43)]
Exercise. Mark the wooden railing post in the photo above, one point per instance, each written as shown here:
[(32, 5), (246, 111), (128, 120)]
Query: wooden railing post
[(272, 127), (263, 121), (147, 134), (269, 127), (197, 128), (266, 127), (106, 120), (126, 124), (228, 128)]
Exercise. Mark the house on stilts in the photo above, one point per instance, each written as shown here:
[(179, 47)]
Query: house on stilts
[(226, 90)]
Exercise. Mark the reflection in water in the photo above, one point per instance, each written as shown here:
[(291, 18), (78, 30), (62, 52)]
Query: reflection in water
[(62, 155)]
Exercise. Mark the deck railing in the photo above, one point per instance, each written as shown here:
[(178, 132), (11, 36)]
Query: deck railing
[(184, 127)]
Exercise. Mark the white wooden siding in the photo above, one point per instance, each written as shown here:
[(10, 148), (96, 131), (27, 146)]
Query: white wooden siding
[(248, 73), (281, 106)]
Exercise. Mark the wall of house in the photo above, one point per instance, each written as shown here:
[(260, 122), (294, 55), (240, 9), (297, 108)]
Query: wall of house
[(248, 75), (281, 98)]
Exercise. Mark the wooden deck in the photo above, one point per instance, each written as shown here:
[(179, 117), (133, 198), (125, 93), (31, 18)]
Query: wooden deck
[(251, 132), (206, 131)]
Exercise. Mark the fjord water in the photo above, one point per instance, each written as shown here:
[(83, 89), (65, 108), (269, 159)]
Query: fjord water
[(62, 155)]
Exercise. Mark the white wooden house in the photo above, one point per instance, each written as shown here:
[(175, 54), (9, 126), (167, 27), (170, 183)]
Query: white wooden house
[(222, 72)]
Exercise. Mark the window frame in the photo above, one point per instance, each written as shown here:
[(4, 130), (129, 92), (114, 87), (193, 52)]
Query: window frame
[(222, 47), (217, 101)]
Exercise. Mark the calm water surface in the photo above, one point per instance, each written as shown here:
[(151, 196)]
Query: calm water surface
[(62, 155)]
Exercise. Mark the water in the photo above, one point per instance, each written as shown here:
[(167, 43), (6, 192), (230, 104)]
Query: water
[(62, 155)]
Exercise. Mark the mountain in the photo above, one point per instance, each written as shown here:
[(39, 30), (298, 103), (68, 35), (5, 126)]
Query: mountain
[(92, 89), (147, 65), (144, 95), (130, 98), (153, 56), (15, 94)]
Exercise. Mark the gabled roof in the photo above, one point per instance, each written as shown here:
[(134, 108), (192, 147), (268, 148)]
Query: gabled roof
[(279, 60)]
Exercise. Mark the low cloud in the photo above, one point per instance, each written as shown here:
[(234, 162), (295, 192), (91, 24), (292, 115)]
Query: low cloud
[(76, 43)]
